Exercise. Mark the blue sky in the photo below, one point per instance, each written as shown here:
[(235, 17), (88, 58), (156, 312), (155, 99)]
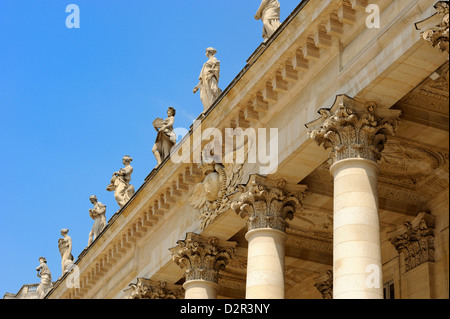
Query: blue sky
[(74, 101)]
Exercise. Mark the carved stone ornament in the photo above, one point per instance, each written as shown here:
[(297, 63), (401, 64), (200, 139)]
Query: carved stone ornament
[(324, 284), (46, 278), (436, 27), (415, 240), (268, 204), (354, 130), (209, 197), (149, 289), (202, 257)]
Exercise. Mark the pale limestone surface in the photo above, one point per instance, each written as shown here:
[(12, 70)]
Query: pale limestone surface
[(265, 265), (357, 245), (200, 289), (325, 50)]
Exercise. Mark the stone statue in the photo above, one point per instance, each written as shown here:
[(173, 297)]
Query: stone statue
[(98, 215), (166, 137), (209, 80), (65, 249), (46, 278), (120, 183), (269, 14)]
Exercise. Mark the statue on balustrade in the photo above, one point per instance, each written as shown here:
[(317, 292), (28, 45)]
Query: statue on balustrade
[(98, 215), (65, 249), (209, 80), (269, 13), (46, 278), (166, 137), (120, 183)]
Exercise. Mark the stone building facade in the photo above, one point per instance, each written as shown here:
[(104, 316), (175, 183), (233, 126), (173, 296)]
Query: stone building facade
[(358, 204)]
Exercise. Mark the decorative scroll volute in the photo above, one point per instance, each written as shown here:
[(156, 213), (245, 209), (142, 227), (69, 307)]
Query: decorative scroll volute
[(202, 257), (209, 197), (354, 130), (268, 204), (415, 240)]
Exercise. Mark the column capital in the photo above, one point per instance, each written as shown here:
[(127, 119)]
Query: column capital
[(353, 129), (435, 28), (268, 203), (202, 257), (415, 240), (324, 284), (150, 289)]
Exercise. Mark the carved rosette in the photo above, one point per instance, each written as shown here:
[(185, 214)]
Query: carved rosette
[(437, 27), (415, 240), (354, 130), (268, 204), (324, 284), (202, 257), (149, 289)]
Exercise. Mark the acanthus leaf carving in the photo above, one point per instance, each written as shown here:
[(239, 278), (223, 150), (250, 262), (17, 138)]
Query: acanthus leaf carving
[(415, 240), (149, 289), (202, 257), (354, 130), (266, 205)]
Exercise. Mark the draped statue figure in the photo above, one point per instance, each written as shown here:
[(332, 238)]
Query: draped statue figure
[(269, 13), (65, 249), (120, 183), (209, 80), (98, 215), (166, 137), (46, 278)]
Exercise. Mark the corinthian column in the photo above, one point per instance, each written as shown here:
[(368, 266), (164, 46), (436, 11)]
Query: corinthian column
[(202, 258), (268, 205), (356, 134)]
